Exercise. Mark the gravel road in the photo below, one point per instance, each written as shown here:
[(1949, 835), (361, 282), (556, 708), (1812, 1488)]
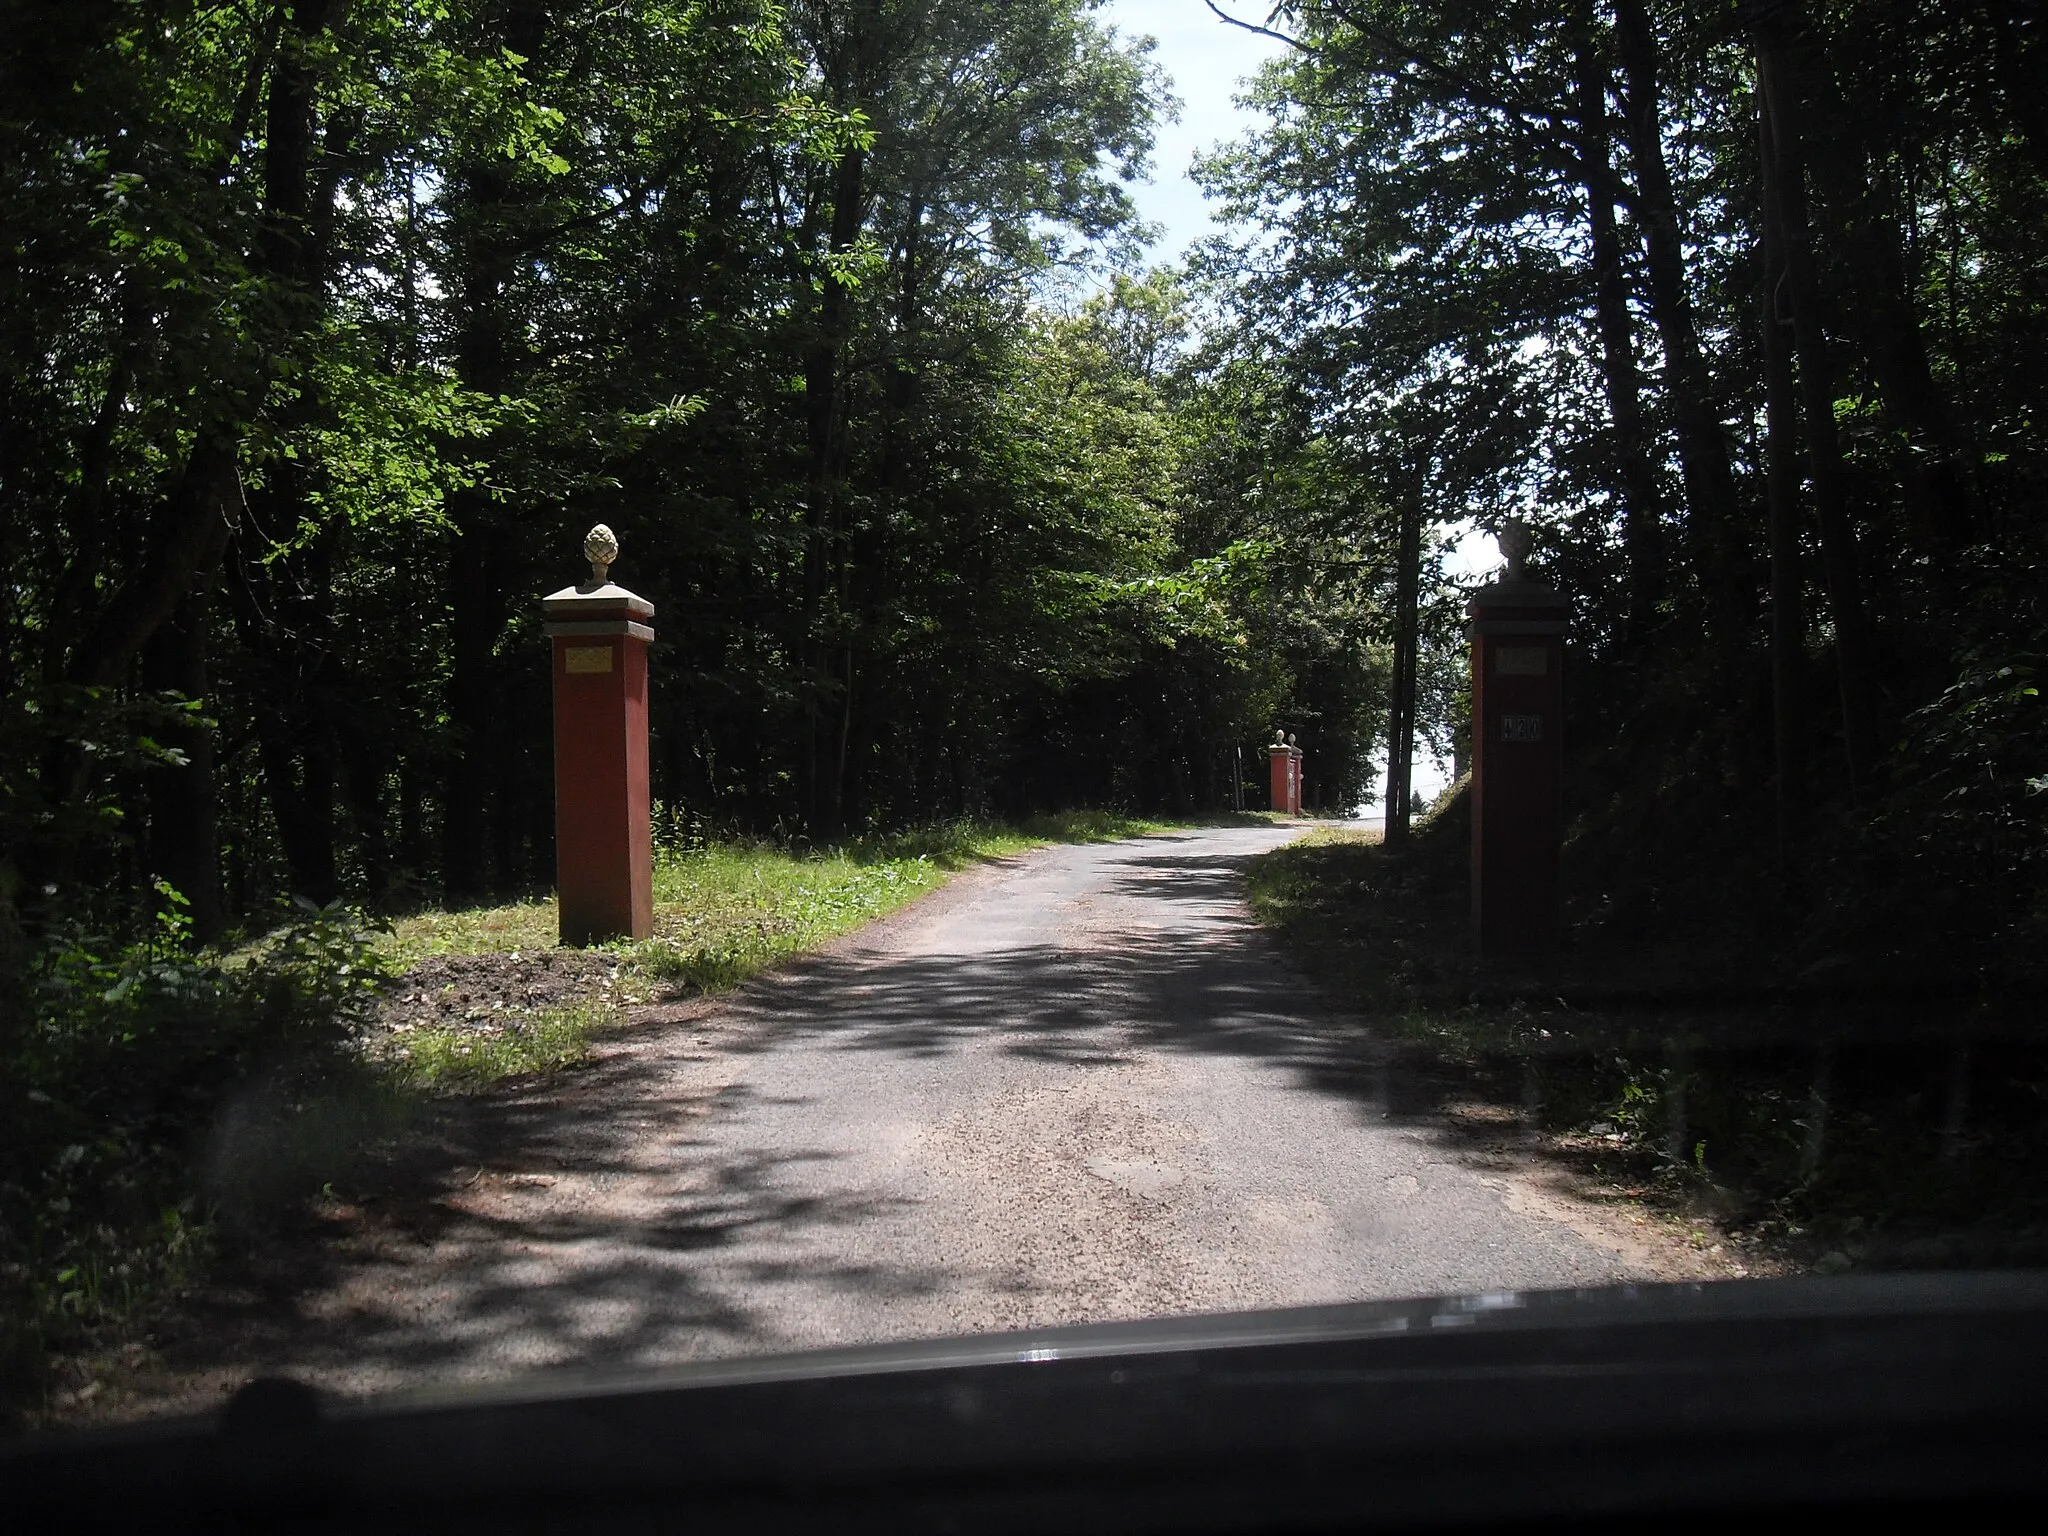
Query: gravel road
[(1076, 1086)]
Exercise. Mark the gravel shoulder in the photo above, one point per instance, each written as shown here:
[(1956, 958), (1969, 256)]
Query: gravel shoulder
[(1072, 1086)]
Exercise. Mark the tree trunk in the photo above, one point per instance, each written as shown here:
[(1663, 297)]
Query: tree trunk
[(1880, 314), (1642, 526), (87, 511), (1817, 400), (824, 392), (279, 614), (301, 793), (1401, 711), (476, 604), (366, 766), (1781, 457), (293, 628), (487, 244), (412, 836), (476, 600), (1719, 556)]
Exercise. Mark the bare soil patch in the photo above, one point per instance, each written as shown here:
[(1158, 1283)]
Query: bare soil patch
[(446, 991)]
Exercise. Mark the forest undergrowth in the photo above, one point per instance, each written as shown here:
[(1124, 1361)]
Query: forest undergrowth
[(1814, 1115)]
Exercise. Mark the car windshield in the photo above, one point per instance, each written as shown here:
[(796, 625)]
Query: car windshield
[(690, 681)]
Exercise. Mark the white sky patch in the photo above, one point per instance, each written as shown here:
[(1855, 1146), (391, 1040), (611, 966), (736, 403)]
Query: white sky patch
[(1473, 556), (1208, 61)]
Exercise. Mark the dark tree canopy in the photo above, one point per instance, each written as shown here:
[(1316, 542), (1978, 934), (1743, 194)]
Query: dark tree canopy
[(328, 326)]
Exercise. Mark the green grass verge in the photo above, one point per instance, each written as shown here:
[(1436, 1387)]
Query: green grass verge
[(1359, 919), (724, 910), (522, 925)]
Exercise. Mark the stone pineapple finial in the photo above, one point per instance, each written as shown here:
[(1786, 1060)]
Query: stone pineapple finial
[(600, 548)]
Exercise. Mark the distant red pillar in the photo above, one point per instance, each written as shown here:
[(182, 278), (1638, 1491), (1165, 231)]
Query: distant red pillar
[(1286, 782), (1517, 792), (604, 844)]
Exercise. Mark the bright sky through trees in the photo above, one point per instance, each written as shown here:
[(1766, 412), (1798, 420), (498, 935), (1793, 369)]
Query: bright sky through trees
[(1208, 61)]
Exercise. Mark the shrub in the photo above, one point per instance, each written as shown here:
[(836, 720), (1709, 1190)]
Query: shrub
[(126, 1059)]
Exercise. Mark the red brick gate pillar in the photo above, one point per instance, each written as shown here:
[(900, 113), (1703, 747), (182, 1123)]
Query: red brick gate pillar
[(1286, 760), (604, 846), (1518, 629)]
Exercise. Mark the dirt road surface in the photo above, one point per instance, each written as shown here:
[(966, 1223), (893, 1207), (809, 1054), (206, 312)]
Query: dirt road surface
[(1077, 1086)]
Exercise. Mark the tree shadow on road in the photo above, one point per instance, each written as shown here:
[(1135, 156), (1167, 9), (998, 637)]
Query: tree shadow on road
[(583, 1221), (595, 1219), (1190, 974)]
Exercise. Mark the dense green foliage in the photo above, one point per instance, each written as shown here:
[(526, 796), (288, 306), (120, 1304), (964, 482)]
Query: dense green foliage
[(1741, 306), (330, 327)]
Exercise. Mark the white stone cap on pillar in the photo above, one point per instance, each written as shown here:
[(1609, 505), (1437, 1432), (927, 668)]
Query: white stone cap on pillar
[(592, 602)]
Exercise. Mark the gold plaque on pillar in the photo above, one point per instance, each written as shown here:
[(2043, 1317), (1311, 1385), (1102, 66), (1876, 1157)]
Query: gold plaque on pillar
[(1522, 660), (587, 658)]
